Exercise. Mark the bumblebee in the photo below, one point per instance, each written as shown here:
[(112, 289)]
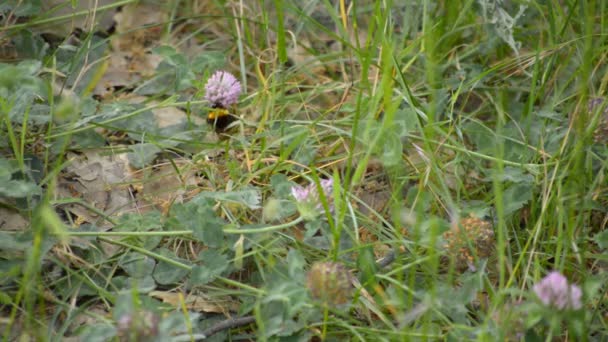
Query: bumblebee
[(220, 118)]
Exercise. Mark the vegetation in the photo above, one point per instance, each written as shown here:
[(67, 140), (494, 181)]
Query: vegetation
[(391, 170)]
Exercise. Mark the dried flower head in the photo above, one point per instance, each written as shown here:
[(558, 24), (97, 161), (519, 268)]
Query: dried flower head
[(554, 291), (222, 89), (600, 134), (511, 320), (471, 237), (137, 326), (308, 198), (329, 282)]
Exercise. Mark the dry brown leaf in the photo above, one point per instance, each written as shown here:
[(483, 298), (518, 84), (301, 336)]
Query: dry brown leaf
[(11, 220), (138, 26), (101, 179), (138, 30), (162, 185), (196, 303), (165, 116), (102, 19)]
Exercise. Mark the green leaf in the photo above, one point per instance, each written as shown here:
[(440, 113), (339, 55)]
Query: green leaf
[(75, 62), (295, 264), (200, 217), (210, 60), (281, 186), (19, 79), (100, 332), (137, 265), (173, 74), (151, 221), (142, 154), (516, 175), (137, 125), (250, 198), (516, 196), (7, 168), (176, 323), (214, 263), (601, 239), (284, 309), (366, 263), (142, 285), (390, 149), (21, 8), (30, 45), (165, 273), (9, 269), (19, 189), (88, 139), (5, 299)]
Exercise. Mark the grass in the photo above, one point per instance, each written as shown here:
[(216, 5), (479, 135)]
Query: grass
[(467, 163)]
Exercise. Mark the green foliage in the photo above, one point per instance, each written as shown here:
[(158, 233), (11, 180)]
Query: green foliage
[(286, 309), (213, 264), (429, 116), (10, 183), (201, 219), (176, 72), (166, 273), (19, 80)]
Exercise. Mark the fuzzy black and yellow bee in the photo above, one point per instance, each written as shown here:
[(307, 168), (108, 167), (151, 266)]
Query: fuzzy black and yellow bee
[(220, 118)]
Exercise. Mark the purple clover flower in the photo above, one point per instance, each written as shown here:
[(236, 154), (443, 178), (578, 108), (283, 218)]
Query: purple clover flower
[(554, 291), (310, 192), (222, 89), (308, 198)]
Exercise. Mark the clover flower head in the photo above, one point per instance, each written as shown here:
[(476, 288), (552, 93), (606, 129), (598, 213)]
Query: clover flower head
[(308, 198), (329, 282), (471, 237), (300, 193), (222, 89), (555, 291)]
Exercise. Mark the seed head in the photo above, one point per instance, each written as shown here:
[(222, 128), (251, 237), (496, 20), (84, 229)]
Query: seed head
[(222, 89), (329, 282), (472, 234)]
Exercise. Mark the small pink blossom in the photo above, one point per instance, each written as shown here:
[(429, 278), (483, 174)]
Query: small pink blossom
[(308, 197), (554, 291), (222, 89)]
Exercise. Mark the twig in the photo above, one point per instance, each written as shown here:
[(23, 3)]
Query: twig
[(227, 324)]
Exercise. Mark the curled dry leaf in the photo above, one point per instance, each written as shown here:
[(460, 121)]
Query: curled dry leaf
[(11, 220), (101, 20), (197, 303), (138, 30), (138, 26)]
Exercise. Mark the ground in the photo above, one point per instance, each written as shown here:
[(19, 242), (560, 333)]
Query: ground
[(391, 170)]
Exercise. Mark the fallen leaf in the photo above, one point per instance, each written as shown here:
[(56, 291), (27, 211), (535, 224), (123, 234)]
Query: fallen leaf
[(100, 178), (11, 220), (162, 185), (196, 303)]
